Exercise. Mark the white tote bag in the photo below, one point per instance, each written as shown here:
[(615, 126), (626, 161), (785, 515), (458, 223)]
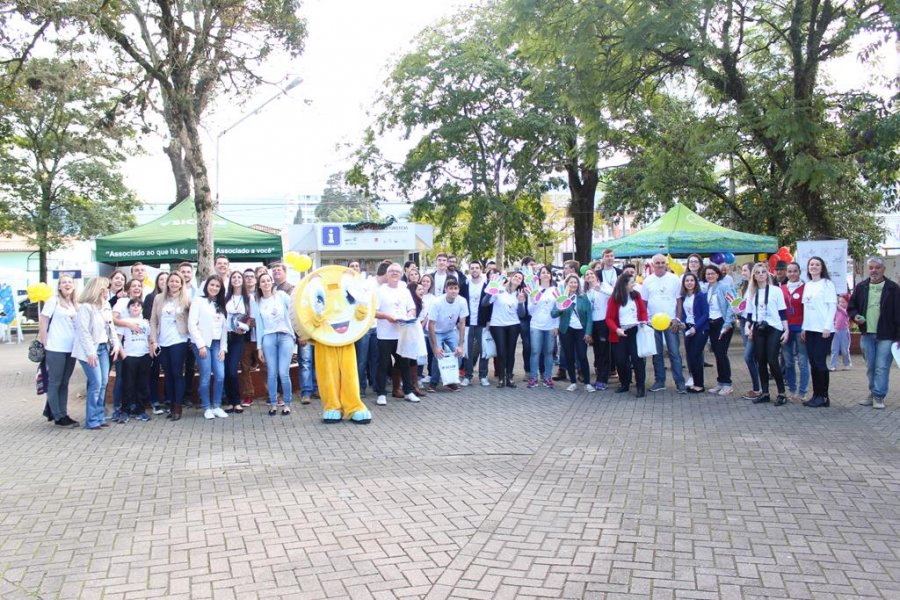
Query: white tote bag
[(646, 341), (449, 366), (411, 343), (488, 346)]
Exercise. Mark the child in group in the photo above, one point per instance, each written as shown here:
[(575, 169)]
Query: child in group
[(840, 342), (135, 354)]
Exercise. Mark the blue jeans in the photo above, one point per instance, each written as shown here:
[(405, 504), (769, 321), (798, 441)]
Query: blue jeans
[(840, 345), (232, 361), (363, 360), (794, 351), (172, 358), (541, 350), (878, 363), (278, 349), (60, 366), (97, 378), (750, 358), (525, 333), (307, 358), (210, 364), (448, 342), (694, 345), (659, 359), (117, 386)]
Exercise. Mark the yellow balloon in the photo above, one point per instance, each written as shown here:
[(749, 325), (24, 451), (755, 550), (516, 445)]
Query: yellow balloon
[(675, 266), (660, 321), (304, 262), (32, 292), (290, 257), (39, 292), (639, 279)]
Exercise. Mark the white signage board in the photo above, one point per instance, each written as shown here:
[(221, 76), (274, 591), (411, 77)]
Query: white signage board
[(833, 252)]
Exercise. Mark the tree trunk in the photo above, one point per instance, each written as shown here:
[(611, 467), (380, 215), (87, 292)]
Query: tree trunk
[(582, 189), (203, 199), (501, 250), (182, 178)]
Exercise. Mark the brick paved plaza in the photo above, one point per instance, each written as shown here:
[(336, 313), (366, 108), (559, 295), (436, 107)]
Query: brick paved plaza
[(481, 494)]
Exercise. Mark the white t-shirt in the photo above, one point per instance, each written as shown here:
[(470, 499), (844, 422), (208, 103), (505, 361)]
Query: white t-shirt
[(687, 305), (540, 311), (661, 293), (446, 314), (714, 311), (168, 326), (135, 343), (475, 288), (819, 305), (608, 276), (599, 302), (628, 316), (439, 282), (398, 303), (574, 321), (277, 319), (61, 333), (121, 308), (506, 308), (769, 313)]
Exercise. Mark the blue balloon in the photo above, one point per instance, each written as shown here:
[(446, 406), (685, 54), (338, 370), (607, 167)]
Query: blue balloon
[(729, 258), (717, 258)]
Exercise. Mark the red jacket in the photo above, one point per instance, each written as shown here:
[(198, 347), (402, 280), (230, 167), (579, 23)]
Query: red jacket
[(612, 315), (794, 303)]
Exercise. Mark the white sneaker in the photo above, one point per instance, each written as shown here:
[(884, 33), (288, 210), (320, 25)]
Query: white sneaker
[(689, 382), (877, 402), (381, 400), (209, 414), (589, 388), (217, 411), (715, 390), (868, 401), (465, 382), (410, 397), (485, 382), (572, 387), (726, 389)]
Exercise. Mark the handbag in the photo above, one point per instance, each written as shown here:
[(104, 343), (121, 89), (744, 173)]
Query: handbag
[(488, 345), (411, 343), (646, 342), (449, 367), (40, 380), (36, 352)]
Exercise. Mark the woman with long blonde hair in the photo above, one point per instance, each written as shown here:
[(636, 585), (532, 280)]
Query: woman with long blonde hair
[(95, 341), (169, 339), (767, 329), (57, 334)]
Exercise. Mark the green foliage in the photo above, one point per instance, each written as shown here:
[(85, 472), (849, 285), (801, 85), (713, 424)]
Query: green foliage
[(342, 203), (724, 106), (481, 142), (59, 167)]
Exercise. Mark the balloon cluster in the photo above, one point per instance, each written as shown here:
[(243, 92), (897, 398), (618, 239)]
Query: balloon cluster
[(299, 262), (719, 258), (784, 254), (39, 292)]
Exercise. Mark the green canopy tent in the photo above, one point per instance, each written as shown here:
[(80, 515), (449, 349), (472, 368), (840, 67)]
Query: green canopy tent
[(681, 231), (173, 238)]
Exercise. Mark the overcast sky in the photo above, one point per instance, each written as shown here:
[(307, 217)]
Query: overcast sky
[(291, 146)]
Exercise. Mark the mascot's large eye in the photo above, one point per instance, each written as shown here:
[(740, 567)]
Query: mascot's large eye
[(347, 287), (316, 295)]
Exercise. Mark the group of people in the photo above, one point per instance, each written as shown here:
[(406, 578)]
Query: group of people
[(237, 321)]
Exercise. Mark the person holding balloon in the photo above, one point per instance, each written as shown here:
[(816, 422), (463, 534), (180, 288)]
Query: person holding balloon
[(625, 311), (660, 292), (693, 311), (56, 330), (721, 327), (574, 311)]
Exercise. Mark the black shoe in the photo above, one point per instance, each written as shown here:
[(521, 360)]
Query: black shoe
[(781, 400), (761, 398), (501, 383), (510, 383), (817, 402), (561, 376), (621, 389), (66, 422), (640, 393)]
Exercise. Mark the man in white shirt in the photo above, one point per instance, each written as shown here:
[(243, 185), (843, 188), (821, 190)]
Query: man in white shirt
[(660, 291), (394, 304), (447, 329), (440, 274), (221, 267), (608, 273), (454, 272), (471, 291), (186, 270)]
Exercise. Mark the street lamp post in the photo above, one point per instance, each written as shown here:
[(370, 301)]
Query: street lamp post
[(282, 92)]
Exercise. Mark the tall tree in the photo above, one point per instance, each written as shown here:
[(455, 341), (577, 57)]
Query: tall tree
[(59, 166), (341, 202), (187, 53), (482, 137), (758, 68)]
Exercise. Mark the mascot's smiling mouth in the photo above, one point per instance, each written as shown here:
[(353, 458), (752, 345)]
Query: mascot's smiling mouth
[(341, 327)]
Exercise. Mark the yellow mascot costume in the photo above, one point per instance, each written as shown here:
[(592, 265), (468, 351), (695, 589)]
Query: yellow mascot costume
[(333, 308)]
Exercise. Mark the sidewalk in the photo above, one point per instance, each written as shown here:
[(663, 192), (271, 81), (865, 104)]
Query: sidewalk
[(485, 493)]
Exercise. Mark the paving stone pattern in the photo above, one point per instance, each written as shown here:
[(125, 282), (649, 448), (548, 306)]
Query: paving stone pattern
[(484, 493)]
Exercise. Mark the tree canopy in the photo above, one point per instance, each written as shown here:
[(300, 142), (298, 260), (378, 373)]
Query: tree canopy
[(59, 164)]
